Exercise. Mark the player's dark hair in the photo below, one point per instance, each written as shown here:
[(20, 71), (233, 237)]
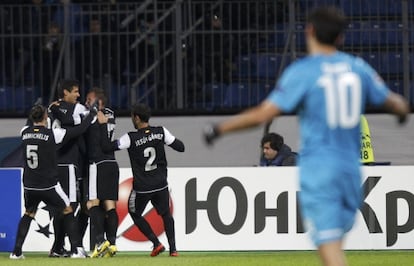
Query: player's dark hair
[(99, 94), (66, 84), (37, 113), (141, 110), (329, 23), (276, 141)]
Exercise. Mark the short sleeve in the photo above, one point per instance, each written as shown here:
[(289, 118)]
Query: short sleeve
[(289, 90), (124, 142), (168, 137)]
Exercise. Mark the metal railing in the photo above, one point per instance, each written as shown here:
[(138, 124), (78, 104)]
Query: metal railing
[(184, 57)]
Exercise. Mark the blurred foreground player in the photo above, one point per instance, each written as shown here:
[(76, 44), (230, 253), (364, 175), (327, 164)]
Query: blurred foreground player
[(329, 90)]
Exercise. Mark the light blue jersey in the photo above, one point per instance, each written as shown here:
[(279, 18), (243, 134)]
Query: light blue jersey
[(329, 93)]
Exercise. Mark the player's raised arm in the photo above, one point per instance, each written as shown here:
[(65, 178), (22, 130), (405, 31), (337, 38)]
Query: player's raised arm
[(106, 143), (64, 135), (172, 141), (252, 117), (397, 105)]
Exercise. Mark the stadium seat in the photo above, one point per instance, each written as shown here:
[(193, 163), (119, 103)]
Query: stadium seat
[(396, 86), (5, 98), (371, 7), (119, 97), (372, 33), (240, 95), (24, 97), (213, 95), (245, 66), (145, 94), (374, 59), (267, 65), (237, 96), (391, 63)]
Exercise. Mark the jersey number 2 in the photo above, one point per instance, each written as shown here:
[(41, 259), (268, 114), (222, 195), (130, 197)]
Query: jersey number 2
[(151, 154), (343, 99)]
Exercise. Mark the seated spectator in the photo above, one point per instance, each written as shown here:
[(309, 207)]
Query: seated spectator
[(276, 152)]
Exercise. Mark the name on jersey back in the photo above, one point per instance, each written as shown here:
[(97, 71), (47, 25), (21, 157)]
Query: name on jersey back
[(35, 136), (148, 138)]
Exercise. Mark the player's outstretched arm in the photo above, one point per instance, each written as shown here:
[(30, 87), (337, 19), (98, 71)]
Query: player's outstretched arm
[(177, 145), (64, 135), (252, 117), (397, 105)]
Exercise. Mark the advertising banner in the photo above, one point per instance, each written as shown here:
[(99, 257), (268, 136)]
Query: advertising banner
[(255, 208), (10, 206)]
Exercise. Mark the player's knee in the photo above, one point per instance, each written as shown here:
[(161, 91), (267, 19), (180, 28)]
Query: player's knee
[(30, 214), (92, 203), (67, 210)]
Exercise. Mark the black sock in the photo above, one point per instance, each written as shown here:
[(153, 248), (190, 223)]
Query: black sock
[(59, 230), (145, 228), (71, 227), (169, 230), (97, 216), (111, 225), (83, 219), (22, 231)]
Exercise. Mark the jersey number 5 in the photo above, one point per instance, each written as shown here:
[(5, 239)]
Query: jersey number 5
[(32, 157), (343, 99)]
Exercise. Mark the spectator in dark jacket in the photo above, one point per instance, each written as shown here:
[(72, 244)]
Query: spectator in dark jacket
[(275, 152)]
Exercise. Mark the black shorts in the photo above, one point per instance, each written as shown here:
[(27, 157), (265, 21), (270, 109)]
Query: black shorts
[(67, 177), (103, 180), (53, 197), (159, 199)]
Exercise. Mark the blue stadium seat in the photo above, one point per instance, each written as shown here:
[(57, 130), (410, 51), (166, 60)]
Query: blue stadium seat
[(374, 59), (245, 66), (392, 63), (213, 96), (361, 33), (24, 97), (119, 97), (240, 95), (267, 65), (396, 86), (371, 7), (5, 98), (237, 96), (145, 94)]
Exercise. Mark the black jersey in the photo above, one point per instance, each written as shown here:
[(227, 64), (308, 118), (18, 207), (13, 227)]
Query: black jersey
[(40, 166), (66, 115), (40, 155), (93, 139), (147, 155)]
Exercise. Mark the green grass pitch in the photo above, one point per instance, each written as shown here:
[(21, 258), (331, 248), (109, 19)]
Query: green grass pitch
[(285, 258)]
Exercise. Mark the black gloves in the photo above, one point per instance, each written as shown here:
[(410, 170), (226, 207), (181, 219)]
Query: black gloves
[(210, 134), (402, 119)]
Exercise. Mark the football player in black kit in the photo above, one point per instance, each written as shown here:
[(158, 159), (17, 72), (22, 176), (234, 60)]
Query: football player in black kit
[(149, 167), (40, 180), (66, 113), (103, 181)]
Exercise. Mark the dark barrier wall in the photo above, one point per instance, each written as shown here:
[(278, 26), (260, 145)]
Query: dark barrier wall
[(390, 141)]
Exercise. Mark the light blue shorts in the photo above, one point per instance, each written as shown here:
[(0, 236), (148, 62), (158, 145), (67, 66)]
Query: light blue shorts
[(329, 198)]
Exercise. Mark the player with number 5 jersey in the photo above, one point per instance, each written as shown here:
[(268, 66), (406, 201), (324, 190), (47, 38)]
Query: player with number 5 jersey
[(149, 167)]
